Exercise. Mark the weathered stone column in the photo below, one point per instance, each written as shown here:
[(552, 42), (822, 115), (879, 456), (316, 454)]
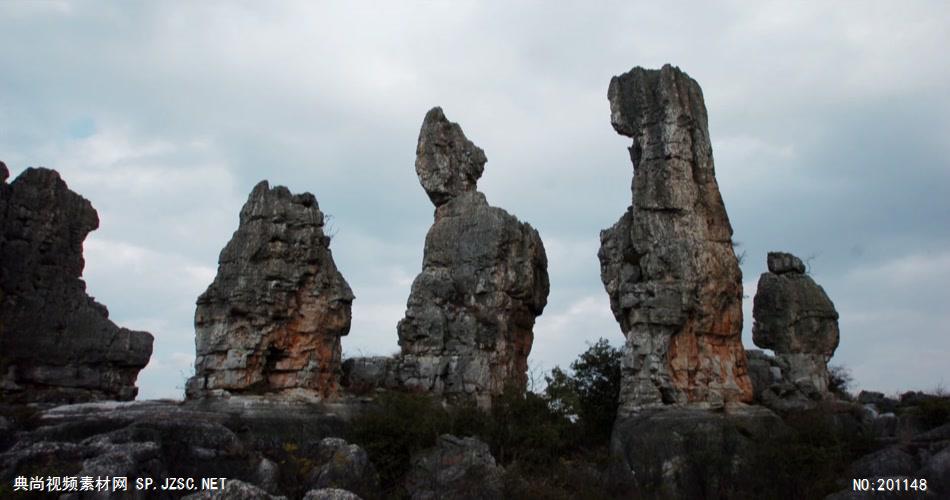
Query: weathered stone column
[(271, 321), (668, 264), (469, 319)]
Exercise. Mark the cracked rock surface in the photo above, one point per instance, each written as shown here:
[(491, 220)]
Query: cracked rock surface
[(470, 316), (668, 264), (272, 319)]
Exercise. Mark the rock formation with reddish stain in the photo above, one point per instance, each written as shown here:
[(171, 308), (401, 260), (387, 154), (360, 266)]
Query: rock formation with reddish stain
[(57, 344), (668, 265), (272, 319), (470, 316)]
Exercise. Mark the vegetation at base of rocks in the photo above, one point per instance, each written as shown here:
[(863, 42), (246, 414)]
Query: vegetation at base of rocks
[(933, 412), (399, 425), (807, 460), (546, 441), (591, 394)]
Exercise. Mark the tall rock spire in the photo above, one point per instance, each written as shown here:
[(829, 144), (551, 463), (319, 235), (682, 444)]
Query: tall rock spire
[(668, 264)]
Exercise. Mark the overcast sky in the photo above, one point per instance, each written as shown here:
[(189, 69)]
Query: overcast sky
[(830, 124)]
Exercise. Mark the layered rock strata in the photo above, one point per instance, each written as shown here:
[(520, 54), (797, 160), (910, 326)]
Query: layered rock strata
[(795, 318), (272, 319), (57, 343), (469, 319), (668, 264)]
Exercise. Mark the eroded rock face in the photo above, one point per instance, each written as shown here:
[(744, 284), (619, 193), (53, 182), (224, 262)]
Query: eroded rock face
[(272, 319), (447, 163), (57, 344), (668, 264), (795, 318), (469, 320)]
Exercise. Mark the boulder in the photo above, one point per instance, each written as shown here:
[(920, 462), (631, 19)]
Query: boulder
[(781, 263), (795, 318), (470, 315), (344, 466), (57, 344), (271, 321), (455, 467), (668, 264)]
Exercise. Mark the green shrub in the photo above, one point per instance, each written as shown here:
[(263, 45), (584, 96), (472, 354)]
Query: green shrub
[(523, 428), (399, 425), (934, 412), (807, 460), (591, 395)]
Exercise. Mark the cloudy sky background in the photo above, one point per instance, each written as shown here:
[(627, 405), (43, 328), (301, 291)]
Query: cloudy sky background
[(830, 127)]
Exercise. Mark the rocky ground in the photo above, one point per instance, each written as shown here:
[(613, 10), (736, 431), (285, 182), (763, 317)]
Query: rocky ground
[(273, 448)]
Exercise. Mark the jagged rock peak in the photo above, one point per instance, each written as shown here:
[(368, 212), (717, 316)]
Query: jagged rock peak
[(447, 163), (668, 264), (57, 344), (4, 173), (272, 319)]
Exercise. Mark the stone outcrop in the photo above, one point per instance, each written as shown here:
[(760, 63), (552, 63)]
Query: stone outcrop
[(469, 319), (668, 264), (686, 452), (274, 445), (455, 468), (272, 319), (57, 343), (795, 318)]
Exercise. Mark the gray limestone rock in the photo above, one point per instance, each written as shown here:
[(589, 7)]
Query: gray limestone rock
[(795, 318), (344, 466), (57, 343), (447, 163), (272, 319), (469, 319), (240, 438), (781, 263), (668, 264), (455, 468), (331, 494)]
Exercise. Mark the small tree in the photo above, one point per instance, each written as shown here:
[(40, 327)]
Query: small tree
[(839, 380), (591, 395)]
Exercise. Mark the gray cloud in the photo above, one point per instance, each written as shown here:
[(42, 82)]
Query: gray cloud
[(829, 126)]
